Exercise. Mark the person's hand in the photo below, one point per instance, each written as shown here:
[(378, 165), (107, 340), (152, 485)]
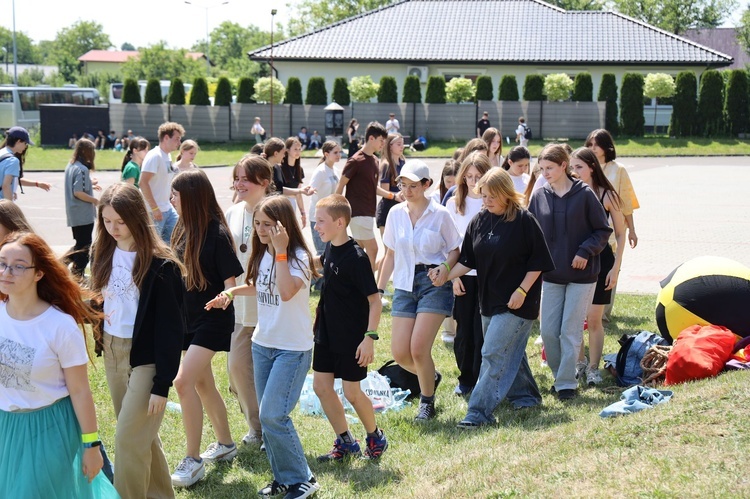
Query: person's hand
[(438, 275), (304, 220), (44, 186), (516, 300), (365, 352), (279, 238), (96, 187), (399, 197), (308, 190), (158, 217), (156, 404), (632, 238), (611, 280), (92, 462), (221, 301), (579, 263), (458, 287)]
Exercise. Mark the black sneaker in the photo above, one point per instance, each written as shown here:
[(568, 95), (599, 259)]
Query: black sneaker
[(273, 489), (567, 394), (304, 489), (425, 412)]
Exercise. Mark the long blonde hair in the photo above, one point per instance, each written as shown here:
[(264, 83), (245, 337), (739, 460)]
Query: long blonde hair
[(497, 183), (478, 160)]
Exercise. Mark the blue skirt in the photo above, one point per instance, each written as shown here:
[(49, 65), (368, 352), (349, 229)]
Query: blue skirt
[(42, 454)]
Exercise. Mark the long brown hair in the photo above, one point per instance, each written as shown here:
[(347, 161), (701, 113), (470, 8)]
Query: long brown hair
[(84, 153), (478, 160), (130, 206), (450, 169), (272, 146), (598, 178), (137, 144), (472, 146), (12, 218), (388, 163), (604, 140), (9, 142), (198, 209), (326, 148), (256, 169), (296, 167), (488, 136)]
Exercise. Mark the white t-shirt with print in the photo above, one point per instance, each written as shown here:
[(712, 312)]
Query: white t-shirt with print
[(324, 180), (33, 354), (285, 325), (121, 296), (472, 207), (240, 223), (159, 163)]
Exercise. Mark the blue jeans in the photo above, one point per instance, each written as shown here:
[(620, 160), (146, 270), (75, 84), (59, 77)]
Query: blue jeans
[(165, 226), (281, 374), (320, 247), (564, 309), (505, 371)]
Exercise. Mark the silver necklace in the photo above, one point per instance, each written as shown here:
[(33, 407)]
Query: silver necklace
[(491, 232)]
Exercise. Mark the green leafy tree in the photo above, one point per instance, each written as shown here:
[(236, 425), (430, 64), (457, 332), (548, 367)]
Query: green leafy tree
[(131, 92), (459, 90), (309, 15), (631, 105), (557, 86), (74, 41), (316, 91), (263, 90), (743, 30), (27, 52), (684, 122), (341, 92), (223, 95), (199, 93), (508, 90), (245, 90), (711, 103), (127, 46), (608, 94), (583, 88), (293, 91), (578, 4), (658, 85), (230, 43), (412, 90), (736, 106), (153, 92), (30, 77), (362, 88), (533, 88), (388, 91), (484, 88), (435, 90), (157, 61), (676, 16), (176, 94)]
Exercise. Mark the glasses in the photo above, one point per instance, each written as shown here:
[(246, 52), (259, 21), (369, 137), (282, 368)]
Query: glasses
[(17, 269), (404, 187), (470, 178)]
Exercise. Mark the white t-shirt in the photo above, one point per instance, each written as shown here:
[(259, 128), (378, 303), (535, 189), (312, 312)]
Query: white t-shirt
[(435, 196), (520, 182), (428, 242), (241, 225), (121, 296), (324, 180), (159, 163), (522, 131), (392, 126), (540, 181), (285, 325), (33, 354), (462, 221)]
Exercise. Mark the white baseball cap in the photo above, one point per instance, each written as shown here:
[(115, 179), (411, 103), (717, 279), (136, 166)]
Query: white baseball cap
[(414, 170)]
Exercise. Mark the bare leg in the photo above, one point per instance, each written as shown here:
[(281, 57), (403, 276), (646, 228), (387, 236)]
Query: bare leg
[(371, 248), (214, 405), (193, 363), (329, 400)]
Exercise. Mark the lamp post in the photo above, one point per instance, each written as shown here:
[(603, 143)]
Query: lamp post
[(273, 13), (208, 38), (15, 53)]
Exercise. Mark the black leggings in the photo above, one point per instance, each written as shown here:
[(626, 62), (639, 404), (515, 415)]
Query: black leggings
[(79, 253), (469, 337)]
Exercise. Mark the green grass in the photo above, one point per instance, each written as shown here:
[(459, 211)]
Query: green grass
[(694, 446)]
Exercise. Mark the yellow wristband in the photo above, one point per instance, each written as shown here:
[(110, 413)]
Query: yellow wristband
[(87, 438), (521, 290), (446, 266), (155, 209), (228, 294)]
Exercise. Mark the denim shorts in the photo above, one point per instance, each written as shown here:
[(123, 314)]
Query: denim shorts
[(423, 298)]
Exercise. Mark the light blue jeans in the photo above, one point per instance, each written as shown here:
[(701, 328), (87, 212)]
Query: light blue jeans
[(564, 309), (281, 374), (505, 371), (165, 226), (320, 247)]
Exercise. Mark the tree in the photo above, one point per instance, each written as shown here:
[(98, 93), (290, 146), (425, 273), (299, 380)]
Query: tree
[(230, 43), (313, 14), (157, 61), (578, 4), (631, 104), (711, 103), (658, 85), (533, 88), (508, 90), (676, 16), (316, 91), (608, 94), (341, 92), (412, 90), (27, 52), (435, 90), (459, 90), (127, 46), (736, 104), (97, 80), (223, 95), (484, 88), (743, 30), (557, 86), (199, 93), (583, 88), (245, 90), (153, 92), (75, 40), (263, 90), (362, 88), (176, 92), (131, 92), (684, 122), (387, 91), (293, 91)]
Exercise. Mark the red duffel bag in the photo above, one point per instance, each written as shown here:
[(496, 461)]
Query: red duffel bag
[(699, 352)]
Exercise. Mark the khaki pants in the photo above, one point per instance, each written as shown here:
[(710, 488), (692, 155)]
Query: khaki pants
[(241, 375), (141, 468)]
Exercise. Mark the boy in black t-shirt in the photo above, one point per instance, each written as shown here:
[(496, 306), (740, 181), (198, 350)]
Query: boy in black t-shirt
[(345, 330)]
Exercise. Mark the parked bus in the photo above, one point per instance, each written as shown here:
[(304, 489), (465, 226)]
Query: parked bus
[(115, 90), (19, 106)]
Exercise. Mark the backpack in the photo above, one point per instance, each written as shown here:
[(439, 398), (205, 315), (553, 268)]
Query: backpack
[(398, 377), (632, 350), (5, 156), (527, 132)]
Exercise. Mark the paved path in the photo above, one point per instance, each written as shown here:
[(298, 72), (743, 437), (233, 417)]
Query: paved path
[(689, 207)]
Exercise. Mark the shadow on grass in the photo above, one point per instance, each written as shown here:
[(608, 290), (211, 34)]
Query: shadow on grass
[(361, 474)]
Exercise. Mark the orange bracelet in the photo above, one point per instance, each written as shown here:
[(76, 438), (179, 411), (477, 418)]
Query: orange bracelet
[(281, 257)]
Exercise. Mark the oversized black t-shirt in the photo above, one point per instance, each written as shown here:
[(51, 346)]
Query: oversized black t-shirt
[(502, 253), (343, 311)]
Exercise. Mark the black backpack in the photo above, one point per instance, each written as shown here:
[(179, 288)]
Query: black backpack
[(527, 132), (20, 173)]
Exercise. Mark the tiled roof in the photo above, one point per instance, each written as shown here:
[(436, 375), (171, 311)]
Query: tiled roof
[(121, 55), (498, 31)]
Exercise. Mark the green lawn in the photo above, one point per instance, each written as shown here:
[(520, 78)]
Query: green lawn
[(694, 446)]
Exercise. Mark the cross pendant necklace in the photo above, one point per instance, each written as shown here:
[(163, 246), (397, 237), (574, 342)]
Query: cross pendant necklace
[(492, 230)]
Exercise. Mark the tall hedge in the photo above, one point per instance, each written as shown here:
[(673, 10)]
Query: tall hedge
[(484, 88), (388, 91), (153, 92), (583, 88), (294, 91), (131, 92), (341, 92), (176, 92), (736, 103), (435, 90), (316, 91), (199, 93), (533, 88), (631, 105), (508, 90), (412, 90), (245, 90), (711, 103), (684, 122), (608, 94), (223, 96)]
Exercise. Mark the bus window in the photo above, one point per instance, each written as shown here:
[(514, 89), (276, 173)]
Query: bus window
[(6, 96), (28, 100)]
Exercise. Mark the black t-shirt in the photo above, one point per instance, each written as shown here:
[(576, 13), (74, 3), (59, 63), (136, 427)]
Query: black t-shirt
[(503, 258), (483, 125), (343, 311)]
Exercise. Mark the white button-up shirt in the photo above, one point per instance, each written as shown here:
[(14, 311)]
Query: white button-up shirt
[(428, 242)]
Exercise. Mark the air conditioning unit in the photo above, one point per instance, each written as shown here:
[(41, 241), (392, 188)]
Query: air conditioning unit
[(418, 71)]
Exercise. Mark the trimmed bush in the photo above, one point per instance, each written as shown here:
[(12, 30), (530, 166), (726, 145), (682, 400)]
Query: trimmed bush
[(316, 91), (459, 90), (435, 90), (176, 92), (484, 88), (608, 94), (245, 90), (711, 103), (388, 91), (684, 106), (341, 92), (631, 105), (223, 95), (557, 87), (294, 91), (153, 92), (263, 90), (412, 90), (199, 93), (362, 88), (736, 107), (583, 88), (508, 90), (533, 88), (131, 94)]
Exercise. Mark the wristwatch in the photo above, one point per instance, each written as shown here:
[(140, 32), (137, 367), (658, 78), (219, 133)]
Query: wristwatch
[(372, 334), (95, 443)]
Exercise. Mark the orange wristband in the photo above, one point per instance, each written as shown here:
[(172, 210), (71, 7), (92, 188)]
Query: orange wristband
[(281, 257)]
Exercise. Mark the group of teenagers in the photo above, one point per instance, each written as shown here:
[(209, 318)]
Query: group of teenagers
[(177, 280)]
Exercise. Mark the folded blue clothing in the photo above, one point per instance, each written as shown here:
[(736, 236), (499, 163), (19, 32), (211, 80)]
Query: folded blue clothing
[(635, 399)]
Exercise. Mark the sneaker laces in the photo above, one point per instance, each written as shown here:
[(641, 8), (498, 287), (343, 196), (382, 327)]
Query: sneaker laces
[(425, 410), (184, 464), (212, 447)]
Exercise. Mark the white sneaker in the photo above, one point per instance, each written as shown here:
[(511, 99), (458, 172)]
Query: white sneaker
[(219, 452), (188, 472), (252, 439), (581, 366), (593, 377), (448, 338)]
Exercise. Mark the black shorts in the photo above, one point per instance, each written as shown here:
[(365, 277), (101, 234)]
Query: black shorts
[(384, 206), (606, 262), (342, 366), (215, 335)]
